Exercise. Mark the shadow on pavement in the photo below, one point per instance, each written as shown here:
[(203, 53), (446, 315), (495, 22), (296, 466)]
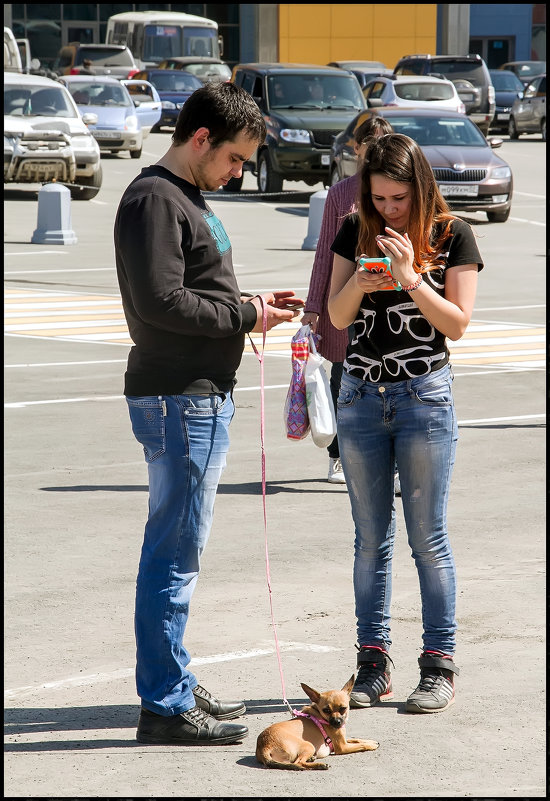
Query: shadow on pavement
[(250, 488)]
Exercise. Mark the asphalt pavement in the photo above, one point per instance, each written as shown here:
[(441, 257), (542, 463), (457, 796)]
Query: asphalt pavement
[(76, 503)]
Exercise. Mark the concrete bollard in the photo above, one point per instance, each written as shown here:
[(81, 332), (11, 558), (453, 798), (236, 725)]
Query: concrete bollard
[(54, 217), (316, 208)]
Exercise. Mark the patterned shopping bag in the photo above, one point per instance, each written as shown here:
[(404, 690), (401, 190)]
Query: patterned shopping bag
[(295, 412)]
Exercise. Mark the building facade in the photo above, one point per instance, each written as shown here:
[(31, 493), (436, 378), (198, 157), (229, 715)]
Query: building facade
[(311, 33)]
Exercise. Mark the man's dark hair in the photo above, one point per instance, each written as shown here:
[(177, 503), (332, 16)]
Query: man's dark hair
[(225, 109)]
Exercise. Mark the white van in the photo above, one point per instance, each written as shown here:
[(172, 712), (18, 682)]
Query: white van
[(12, 57)]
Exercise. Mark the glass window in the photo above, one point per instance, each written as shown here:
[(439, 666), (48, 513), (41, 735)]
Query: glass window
[(470, 71), (80, 11), (38, 101), (45, 11)]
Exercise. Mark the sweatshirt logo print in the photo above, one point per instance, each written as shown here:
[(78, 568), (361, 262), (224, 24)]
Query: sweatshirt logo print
[(218, 232)]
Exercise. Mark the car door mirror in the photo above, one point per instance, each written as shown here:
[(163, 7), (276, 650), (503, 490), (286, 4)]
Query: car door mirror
[(374, 102), (89, 118)]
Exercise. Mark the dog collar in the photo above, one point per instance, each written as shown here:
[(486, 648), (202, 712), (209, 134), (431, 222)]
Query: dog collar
[(318, 723)]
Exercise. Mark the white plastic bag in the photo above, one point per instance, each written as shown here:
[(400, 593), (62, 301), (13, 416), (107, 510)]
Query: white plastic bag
[(320, 407)]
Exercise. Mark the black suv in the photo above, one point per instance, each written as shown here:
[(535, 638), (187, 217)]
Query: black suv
[(470, 76), (305, 106)]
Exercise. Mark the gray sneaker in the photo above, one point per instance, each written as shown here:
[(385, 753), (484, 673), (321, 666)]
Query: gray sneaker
[(436, 690), (373, 681)]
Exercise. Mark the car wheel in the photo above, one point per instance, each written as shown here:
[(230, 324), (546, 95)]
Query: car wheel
[(135, 154), (498, 216), (543, 129), (513, 132), (94, 182), (268, 180), (334, 177), (234, 185)]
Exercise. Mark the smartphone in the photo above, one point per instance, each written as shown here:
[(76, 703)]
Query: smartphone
[(379, 265)]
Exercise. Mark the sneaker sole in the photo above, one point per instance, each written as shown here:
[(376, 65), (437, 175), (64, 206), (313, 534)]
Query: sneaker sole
[(150, 740), (354, 704), (415, 709)]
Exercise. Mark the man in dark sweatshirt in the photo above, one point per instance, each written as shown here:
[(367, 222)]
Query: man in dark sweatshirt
[(188, 322)]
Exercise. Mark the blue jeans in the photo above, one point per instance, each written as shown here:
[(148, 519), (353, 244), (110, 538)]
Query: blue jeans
[(414, 423), (185, 439)]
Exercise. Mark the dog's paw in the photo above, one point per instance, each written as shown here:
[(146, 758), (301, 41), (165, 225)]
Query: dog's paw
[(368, 745)]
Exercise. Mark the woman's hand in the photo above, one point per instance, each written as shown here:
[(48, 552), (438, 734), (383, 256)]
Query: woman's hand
[(400, 250)]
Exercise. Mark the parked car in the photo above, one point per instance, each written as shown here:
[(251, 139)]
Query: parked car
[(46, 138), (508, 88), (407, 91), (117, 127), (526, 71), (206, 69), (304, 106), (12, 56), (363, 70), (470, 175), (468, 73), (528, 113), (114, 60), (173, 87)]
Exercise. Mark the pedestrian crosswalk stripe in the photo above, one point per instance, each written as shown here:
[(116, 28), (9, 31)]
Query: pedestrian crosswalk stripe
[(74, 317)]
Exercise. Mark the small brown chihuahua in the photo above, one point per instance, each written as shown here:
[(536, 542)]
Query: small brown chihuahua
[(315, 732)]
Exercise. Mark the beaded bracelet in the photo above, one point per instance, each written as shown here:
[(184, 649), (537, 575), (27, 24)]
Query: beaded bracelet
[(412, 287)]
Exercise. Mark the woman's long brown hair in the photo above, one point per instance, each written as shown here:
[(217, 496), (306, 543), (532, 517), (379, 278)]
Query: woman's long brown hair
[(398, 157)]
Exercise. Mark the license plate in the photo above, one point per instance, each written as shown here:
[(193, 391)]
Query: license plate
[(459, 190), (325, 160), (106, 134), (466, 98), (503, 116)]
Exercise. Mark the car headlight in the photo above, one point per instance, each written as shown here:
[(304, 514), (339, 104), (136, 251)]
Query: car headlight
[(295, 135), (501, 172), (168, 104), (131, 123), (8, 143), (83, 142)]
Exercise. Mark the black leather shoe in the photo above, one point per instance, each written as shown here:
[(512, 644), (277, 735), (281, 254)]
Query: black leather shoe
[(193, 727), (221, 710)]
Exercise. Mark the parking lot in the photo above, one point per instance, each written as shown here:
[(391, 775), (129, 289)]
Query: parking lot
[(76, 503)]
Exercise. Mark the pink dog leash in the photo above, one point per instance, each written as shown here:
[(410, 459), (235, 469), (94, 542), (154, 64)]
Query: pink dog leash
[(262, 427)]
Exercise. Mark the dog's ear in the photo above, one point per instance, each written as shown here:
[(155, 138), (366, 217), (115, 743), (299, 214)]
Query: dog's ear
[(313, 695), (348, 687)]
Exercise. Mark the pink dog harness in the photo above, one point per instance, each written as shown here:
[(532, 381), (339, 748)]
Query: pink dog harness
[(318, 723)]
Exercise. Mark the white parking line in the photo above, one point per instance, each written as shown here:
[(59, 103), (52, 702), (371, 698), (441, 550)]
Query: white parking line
[(123, 673)]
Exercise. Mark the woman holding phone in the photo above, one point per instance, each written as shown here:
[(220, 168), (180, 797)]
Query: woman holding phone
[(396, 404)]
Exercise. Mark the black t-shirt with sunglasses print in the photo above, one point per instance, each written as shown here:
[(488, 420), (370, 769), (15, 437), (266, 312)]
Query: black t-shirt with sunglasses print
[(393, 341)]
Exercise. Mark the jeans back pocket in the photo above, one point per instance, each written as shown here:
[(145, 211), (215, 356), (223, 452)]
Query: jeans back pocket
[(148, 425)]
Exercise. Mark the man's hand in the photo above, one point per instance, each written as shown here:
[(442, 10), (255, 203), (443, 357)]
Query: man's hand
[(281, 307)]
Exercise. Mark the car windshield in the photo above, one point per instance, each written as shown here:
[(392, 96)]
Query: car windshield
[(506, 81), (424, 91), (164, 81), (208, 70), (105, 57), (529, 68), (37, 101), (293, 90), (99, 94), (439, 131)]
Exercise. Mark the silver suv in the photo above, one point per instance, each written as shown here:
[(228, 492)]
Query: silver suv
[(468, 73), (46, 138)]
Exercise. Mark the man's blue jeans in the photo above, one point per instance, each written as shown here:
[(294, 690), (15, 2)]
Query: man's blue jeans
[(414, 423), (185, 439)]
